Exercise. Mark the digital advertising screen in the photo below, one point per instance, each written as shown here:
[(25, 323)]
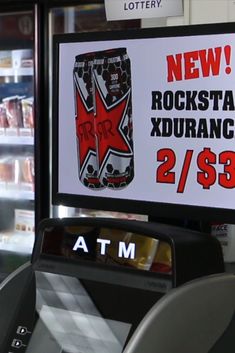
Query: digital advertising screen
[(143, 121)]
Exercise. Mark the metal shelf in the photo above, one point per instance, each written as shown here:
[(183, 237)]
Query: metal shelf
[(16, 140), (14, 194), (22, 71), (16, 242)]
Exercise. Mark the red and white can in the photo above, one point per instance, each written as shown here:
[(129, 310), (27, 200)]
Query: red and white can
[(84, 115), (113, 117)]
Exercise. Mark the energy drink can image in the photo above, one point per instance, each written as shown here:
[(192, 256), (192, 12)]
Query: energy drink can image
[(113, 117), (84, 116)]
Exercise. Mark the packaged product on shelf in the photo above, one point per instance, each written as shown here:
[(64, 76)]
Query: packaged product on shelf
[(162, 261), (128, 249), (26, 172), (145, 250), (22, 58), (111, 253), (5, 59), (28, 113), (7, 171), (3, 118), (85, 250), (24, 221), (13, 106), (81, 212)]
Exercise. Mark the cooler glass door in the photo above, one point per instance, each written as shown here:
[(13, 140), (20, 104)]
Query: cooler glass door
[(16, 139)]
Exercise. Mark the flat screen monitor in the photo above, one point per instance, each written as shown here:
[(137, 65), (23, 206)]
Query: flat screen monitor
[(143, 121)]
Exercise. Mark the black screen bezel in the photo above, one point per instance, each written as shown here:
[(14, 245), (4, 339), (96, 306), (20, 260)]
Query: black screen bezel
[(124, 205)]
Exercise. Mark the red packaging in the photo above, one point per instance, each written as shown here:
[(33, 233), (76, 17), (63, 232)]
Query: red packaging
[(113, 117), (3, 117), (13, 108), (84, 111), (7, 170), (27, 172), (28, 113)]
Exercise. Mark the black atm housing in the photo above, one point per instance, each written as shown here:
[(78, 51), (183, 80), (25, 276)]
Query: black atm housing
[(194, 254), (120, 293)]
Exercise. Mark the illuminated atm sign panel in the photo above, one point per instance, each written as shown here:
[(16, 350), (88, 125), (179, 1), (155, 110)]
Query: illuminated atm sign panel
[(135, 254), (110, 247)]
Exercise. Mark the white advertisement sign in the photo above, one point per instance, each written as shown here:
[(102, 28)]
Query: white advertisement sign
[(131, 9), (149, 119)]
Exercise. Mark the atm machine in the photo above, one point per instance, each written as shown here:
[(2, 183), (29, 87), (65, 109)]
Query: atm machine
[(91, 281)]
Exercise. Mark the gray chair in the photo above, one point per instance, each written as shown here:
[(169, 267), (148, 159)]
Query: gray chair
[(198, 317)]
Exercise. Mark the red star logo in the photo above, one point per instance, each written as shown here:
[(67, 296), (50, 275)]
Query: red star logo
[(108, 124), (85, 130)]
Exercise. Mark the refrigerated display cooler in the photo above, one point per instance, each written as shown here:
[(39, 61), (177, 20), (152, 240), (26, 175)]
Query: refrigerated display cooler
[(17, 123), (25, 85), (91, 281)]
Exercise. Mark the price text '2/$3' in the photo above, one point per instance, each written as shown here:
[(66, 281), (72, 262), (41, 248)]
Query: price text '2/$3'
[(206, 172), (207, 167)]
